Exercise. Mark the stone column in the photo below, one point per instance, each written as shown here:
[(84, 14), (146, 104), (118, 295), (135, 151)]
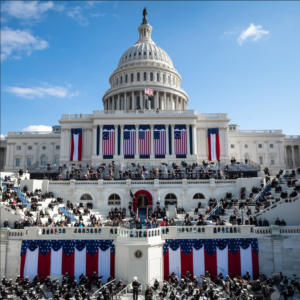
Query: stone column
[(133, 101), (188, 149), (194, 135), (152, 141), (167, 140), (165, 101), (141, 100), (170, 102), (119, 106), (37, 153), (279, 156), (255, 146), (53, 159), (8, 154), (176, 106), (94, 142), (100, 142), (156, 102), (137, 141), (285, 156), (240, 149), (268, 159), (293, 156), (24, 152), (173, 140), (116, 140), (122, 141)]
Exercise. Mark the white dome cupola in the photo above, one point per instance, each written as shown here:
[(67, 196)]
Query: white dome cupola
[(145, 64)]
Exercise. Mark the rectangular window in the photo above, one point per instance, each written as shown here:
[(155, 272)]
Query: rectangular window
[(121, 80), (157, 77), (114, 203), (168, 79), (28, 162), (259, 145), (232, 146), (261, 160), (145, 76), (271, 145), (138, 77), (272, 160), (126, 78), (57, 147), (18, 147), (131, 77), (17, 162), (29, 147), (57, 161), (163, 78)]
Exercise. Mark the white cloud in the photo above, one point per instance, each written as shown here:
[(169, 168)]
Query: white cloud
[(77, 14), (254, 32), (2, 137), (41, 92), (29, 10), (38, 128), (19, 40)]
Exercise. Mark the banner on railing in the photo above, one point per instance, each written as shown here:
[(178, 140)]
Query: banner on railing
[(232, 257), (144, 141), (108, 145), (213, 141), (129, 141), (180, 140), (56, 257)]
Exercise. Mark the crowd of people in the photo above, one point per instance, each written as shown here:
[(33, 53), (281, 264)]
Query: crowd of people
[(70, 288)]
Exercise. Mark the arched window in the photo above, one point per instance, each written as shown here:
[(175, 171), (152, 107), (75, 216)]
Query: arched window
[(126, 78), (198, 196), (138, 77), (43, 160), (246, 155), (151, 76), (86, 197), (114, 199), (171, 199), (145, 76)]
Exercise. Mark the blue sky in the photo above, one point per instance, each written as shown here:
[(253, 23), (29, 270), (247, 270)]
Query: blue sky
[(236, 57)]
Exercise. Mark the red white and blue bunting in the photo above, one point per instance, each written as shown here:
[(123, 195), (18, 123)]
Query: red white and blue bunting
[(232, 257), (56, 257)]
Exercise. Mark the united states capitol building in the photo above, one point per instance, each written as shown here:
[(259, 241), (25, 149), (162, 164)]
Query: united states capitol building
[(151, 252)]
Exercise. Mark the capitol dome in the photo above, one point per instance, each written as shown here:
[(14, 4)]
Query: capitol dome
[(145, 65)]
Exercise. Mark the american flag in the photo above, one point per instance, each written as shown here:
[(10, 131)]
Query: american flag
[(129, 140), (108, 140), (148, 91), (159, 140), (180, 135), (144, 140)]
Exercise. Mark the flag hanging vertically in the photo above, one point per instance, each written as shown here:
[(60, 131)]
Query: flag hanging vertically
[(232, 257), (129, 140), (213, 144), (76, 144), (108, 146), (180, 139), (144, 140), (56, 257), (159, 140)]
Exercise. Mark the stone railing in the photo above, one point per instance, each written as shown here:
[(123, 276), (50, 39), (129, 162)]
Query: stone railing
[(292, 137), (143, 112), (132, 235), (204, 116), (277, 230), (256, 132), (79, 117)]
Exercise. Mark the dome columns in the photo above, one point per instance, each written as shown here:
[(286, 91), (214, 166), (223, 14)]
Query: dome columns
[(131, 99)]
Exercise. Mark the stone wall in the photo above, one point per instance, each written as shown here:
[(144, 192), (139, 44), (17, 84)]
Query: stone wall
[(279, 254)]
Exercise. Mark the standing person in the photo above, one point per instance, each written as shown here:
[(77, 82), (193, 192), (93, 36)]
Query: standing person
[(135, 286)]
